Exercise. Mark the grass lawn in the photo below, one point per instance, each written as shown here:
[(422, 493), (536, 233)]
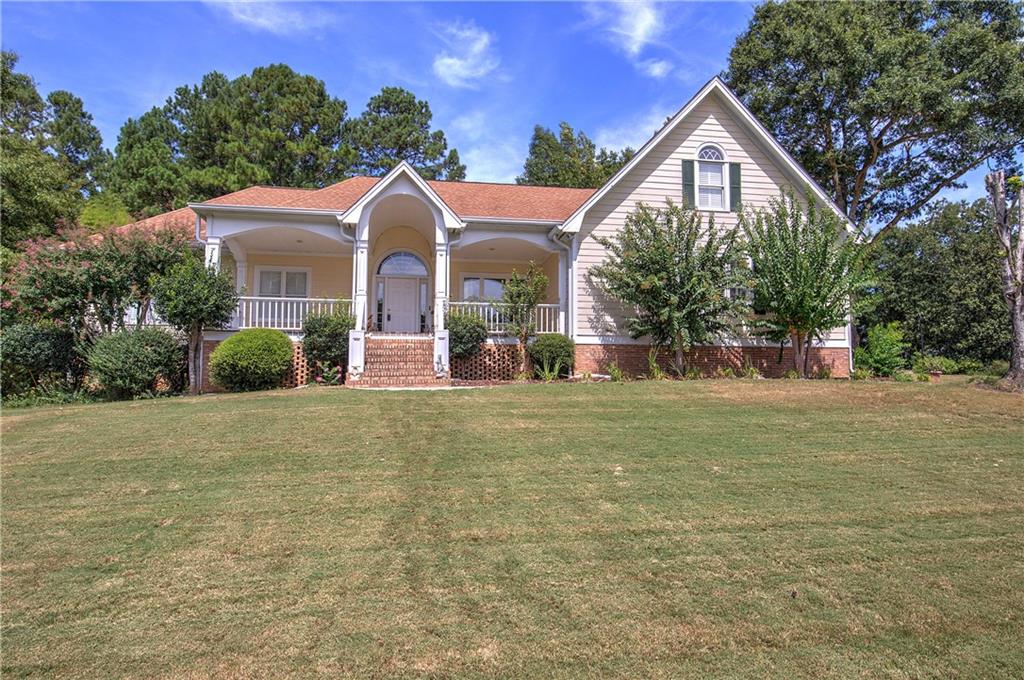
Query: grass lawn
[(714, 528)]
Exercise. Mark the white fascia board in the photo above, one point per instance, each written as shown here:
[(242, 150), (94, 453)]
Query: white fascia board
[(353, 214), (512, 221), (574, 222), (206, 209)]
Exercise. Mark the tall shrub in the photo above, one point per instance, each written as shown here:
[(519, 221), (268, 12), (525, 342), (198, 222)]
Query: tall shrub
[(325, 338), (466, 334), (192, 298), (33, 355), (128, 364)]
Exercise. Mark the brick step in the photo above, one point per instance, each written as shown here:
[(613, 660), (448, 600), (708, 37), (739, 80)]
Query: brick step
[(398, 382), (398, 372), (400, 355)]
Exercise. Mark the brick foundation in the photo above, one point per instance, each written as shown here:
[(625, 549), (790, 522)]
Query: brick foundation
[(494, 361), (632, 359), (298, 373)]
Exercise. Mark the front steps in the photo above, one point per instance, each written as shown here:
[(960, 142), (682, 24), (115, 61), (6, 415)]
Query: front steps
[(397, 361)]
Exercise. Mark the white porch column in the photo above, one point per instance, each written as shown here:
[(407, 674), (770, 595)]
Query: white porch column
[(241, 275), (360, 258), (441, 276), (213, 252), (563, 306)]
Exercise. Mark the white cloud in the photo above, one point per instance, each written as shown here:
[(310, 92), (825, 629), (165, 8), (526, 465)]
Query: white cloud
[(633, 131), (493, 162), (471, 125), (655, 68), (276, 17), (631, 27), (468, 57)]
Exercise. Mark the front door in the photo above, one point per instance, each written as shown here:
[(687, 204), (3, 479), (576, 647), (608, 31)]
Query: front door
[(400, 305)]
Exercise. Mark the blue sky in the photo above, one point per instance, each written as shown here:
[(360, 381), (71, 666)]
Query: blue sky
[(490, 71)]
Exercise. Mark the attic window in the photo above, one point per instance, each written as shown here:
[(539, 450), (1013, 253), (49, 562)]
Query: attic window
[(710, 179)]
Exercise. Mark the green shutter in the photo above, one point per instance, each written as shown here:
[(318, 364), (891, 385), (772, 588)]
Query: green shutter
[(689, 189), (735, 194)]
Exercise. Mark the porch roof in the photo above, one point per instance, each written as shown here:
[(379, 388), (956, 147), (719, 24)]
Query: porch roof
[(467, 199)]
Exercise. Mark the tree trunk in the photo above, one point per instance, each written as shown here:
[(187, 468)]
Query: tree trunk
[(524, 358), (195, 356), (1016, 372), (680, 359), (799, 354), (1011, 240)]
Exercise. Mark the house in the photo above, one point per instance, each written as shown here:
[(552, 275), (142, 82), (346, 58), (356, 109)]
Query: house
[(401, 251)]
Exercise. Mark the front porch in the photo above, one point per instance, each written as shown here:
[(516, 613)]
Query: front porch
[(398, 260)]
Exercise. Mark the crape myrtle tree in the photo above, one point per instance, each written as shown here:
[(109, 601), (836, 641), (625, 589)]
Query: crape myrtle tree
[(520, 297), (886, 104), (672, 271), (192, 297), (806, 269), (1007, 196)]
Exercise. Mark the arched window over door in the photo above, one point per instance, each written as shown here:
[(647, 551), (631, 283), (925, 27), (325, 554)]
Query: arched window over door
[(402, 264)]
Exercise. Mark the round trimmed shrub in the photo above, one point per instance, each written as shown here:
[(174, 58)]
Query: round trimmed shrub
[(253, 359), (551, 348), (466, 333), (128, 364), (325, 339), (35, 354)]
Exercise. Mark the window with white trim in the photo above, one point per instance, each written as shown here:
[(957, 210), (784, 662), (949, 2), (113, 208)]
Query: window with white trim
[(292, 283), (480, 288), (711, 179)]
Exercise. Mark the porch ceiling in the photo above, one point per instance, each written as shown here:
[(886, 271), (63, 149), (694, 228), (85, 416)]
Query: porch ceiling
[(501, 250), (289, 240)]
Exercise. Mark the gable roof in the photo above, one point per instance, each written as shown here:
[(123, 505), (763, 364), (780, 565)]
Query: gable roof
[(574, 221), (403, 169)]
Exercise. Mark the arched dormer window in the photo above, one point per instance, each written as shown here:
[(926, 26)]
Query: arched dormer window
[(711, 178)]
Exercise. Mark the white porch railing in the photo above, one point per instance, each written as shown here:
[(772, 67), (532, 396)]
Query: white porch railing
[(283, 313), (547, 317)]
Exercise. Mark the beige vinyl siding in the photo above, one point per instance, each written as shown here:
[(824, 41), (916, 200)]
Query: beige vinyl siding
[(659, 176)]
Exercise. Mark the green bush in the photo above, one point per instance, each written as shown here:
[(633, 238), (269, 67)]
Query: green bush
[(253, 359), (969, 366), (35, 355), (860, 374), (884, 352), (128, 364), (466, 333), (999, 367), (325, 339), (904, 376), (551, 348), (930, 364)]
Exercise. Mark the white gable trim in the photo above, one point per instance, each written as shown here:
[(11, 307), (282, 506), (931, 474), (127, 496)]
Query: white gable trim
[(574, 222), (403, 169)]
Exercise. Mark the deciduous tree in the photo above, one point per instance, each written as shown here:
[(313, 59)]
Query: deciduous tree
[(886, 104), (941, 279), (520, 297)]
